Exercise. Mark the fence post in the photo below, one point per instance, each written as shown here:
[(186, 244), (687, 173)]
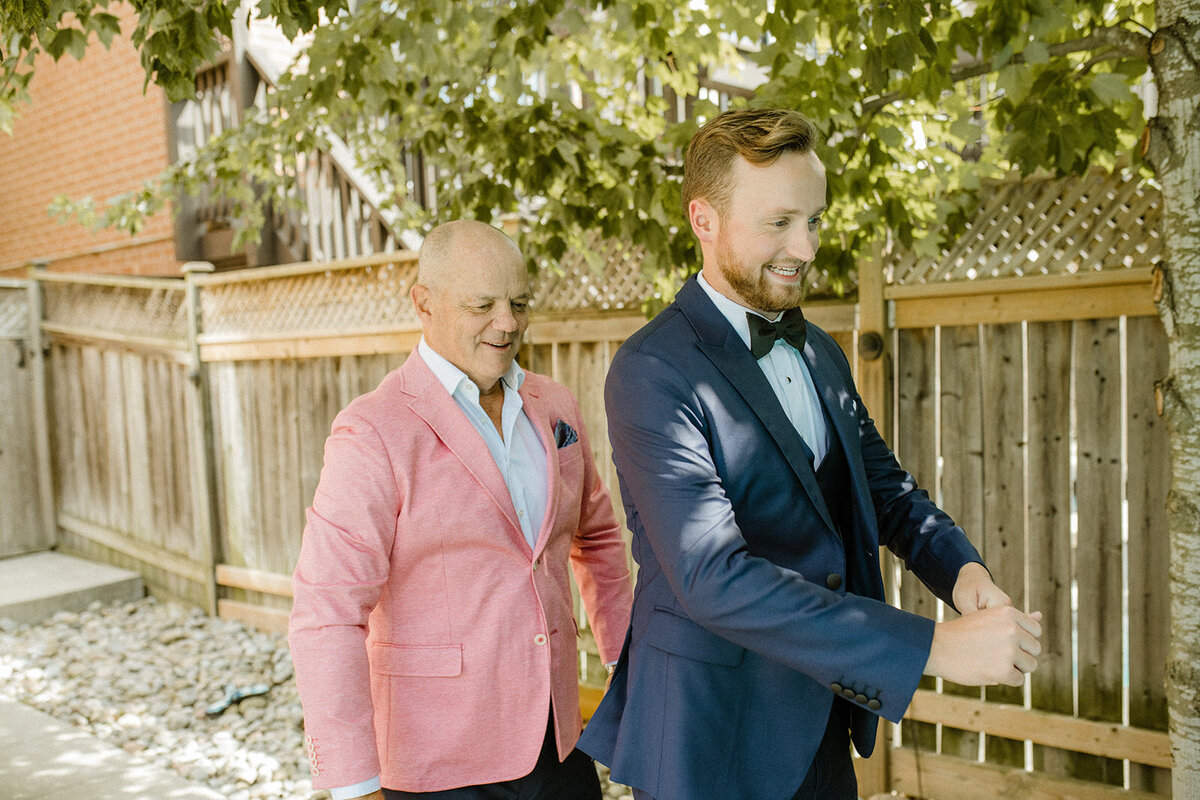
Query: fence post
[(200, 424), (41, 412), (873, 359)]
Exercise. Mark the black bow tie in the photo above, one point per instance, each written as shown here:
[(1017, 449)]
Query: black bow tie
[(791, 327)]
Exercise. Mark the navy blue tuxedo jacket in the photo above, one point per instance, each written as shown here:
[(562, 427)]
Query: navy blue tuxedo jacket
[(737, 645)]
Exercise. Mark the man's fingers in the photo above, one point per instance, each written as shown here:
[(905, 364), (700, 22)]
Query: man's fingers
[(1031, 623)]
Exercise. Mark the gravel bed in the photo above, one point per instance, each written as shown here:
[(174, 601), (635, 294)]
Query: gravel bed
[(141, 676)]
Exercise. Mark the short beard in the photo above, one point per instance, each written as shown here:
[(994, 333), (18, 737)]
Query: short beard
[(752, 287)]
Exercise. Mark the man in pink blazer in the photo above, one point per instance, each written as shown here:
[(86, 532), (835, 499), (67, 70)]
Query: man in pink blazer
[(432, 630)]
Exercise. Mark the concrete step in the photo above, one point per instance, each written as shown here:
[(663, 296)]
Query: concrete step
[(35, 586)]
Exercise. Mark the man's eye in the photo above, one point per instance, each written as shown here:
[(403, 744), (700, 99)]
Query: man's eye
[(520, 308), (814, 222), (780, 223)]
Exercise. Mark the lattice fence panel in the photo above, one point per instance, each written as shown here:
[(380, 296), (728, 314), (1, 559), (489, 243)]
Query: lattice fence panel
[(574, 285), (361, 298), (1040, 226), (14, 311), (145, 309)]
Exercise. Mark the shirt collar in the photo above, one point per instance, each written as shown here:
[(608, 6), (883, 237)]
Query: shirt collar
[(732, 310), (452, 377)]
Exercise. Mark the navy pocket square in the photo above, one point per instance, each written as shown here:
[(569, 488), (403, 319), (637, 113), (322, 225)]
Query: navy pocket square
[(564, 435)]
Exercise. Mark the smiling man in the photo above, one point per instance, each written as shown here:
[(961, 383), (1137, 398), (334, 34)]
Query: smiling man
[(432, 629), (759, 492)]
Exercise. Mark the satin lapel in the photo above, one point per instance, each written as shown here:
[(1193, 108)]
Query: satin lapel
[(838, 398), (450, 424), (540, 417), (728, 354)]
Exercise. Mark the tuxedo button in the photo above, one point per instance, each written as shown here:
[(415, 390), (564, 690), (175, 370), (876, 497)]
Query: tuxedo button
[(874, 704), (836, 687), (834, 581), (540, 639), (860, 699)]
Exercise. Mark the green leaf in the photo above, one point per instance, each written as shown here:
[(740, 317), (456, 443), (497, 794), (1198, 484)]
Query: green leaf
[(1015, 81), (1110, 87), (1036, 52), (966, 128)]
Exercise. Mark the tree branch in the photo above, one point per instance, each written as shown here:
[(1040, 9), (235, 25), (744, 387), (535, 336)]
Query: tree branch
[(1114, 42)]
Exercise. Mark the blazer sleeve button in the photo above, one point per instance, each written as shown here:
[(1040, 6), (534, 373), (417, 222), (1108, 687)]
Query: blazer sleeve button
[(834, 581), (861, 699), (874, 704), (836, 687), (848, 694)]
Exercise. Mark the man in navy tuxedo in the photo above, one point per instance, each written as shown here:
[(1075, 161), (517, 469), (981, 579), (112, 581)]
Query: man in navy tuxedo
[(759, 492)]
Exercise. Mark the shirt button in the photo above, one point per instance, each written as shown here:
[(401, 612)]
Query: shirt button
[(540, 639), (520, 513)]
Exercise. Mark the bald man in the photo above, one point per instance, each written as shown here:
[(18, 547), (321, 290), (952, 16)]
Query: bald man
[(432, 629)]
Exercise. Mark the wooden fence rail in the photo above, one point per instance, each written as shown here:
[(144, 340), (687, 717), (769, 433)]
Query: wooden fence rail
[(186, 422)]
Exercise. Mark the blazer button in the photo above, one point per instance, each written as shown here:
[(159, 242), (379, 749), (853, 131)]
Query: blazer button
[(540, 639), (860, 698), (834, 581), (874, 704)]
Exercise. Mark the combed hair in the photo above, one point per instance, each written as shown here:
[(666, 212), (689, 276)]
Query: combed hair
[(759, 135)]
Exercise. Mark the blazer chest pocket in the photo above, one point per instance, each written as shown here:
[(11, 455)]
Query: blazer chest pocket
[(680, 636), (417, 661)]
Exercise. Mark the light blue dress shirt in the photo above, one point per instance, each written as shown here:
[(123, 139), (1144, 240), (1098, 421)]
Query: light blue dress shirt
[(519, 454), (787, 373)]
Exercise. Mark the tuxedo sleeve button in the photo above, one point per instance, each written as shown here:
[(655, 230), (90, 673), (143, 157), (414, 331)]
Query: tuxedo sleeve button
[(874, 704), (861, 699), (848, 694), (836, 687), (834, 581)]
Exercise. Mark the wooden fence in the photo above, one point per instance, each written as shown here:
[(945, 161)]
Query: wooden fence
[(26, 506), (184, 423), (1037, 431)]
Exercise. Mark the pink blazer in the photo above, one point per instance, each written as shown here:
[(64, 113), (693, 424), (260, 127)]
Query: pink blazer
[(428, 639)]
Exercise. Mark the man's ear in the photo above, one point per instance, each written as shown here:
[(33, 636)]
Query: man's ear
[(704, 220), (420, 296)]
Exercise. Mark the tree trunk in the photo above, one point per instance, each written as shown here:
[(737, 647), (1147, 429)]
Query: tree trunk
[(1173, 147)]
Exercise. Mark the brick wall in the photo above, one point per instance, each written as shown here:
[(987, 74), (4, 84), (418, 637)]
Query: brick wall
[(90, 131)]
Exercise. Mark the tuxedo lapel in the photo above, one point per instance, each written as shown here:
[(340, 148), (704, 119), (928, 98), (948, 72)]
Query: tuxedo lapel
[(720, 343), (539, 416), (839, 400), (437, 408)]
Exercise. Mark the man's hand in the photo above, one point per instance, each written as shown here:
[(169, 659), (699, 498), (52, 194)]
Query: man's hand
[(987, 647), (974, 590)]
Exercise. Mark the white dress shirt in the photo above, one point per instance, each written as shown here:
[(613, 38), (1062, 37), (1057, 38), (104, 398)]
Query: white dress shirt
[(787, 373), (519, 454)]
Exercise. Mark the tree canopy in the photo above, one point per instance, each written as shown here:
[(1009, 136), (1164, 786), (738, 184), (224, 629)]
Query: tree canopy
[(537, 105)]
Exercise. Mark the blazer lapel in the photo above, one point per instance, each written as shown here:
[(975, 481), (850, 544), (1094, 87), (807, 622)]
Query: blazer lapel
[(839, 399), (728, 353), (540, 417), (433, 404)]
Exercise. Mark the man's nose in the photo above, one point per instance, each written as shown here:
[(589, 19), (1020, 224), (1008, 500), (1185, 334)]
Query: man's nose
[(504, 319), (803, 246)]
